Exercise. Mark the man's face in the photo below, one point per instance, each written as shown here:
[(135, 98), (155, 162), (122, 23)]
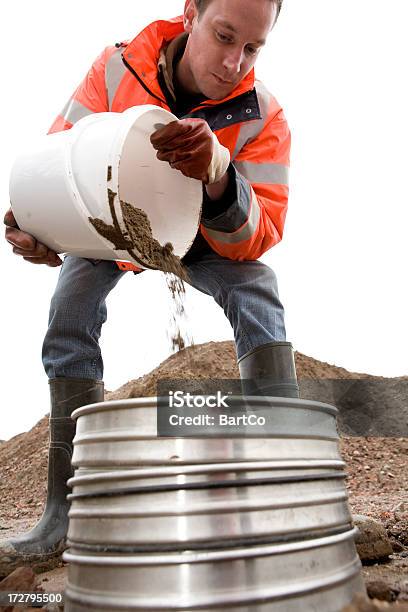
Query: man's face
[(224, 43)]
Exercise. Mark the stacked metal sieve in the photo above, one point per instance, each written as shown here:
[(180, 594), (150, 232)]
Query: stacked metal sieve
[(245, 524)]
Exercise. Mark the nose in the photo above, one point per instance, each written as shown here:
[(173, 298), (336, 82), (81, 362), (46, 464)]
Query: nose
[(232, 61)]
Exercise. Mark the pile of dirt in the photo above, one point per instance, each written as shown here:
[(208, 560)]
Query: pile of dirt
[(23, 468), (363, 604), (210, 360), (373, 464), (218, 360)]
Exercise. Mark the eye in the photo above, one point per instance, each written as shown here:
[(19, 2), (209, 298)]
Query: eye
[(222, 37), (252, 50)]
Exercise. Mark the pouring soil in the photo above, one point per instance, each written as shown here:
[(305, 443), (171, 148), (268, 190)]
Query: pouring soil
[(138, 239)]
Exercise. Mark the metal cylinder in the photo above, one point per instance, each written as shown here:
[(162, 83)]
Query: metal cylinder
[(252, 524), (124, 433), (317, 574), (127, 513)]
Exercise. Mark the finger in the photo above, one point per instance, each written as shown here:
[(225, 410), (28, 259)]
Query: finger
[(191, 171), (171, 131), (54, 258), (172, 156), (170, 128), (39, 250), (20, 239), (43, 260), (9, 219), (187, 141), (31, 252)]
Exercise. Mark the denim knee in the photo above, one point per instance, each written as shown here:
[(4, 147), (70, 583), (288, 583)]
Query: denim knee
[(248, 293), (77, 313)]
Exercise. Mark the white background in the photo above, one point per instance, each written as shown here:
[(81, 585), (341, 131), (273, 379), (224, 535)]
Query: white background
[(339, 70)]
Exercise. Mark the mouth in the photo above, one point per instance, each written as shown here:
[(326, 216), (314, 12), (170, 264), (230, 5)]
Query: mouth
[(220, 80)]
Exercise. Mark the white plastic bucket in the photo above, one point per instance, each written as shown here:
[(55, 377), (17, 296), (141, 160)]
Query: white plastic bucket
[(63, 179)]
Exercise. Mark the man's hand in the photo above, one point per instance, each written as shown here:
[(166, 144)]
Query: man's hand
[(27, 246), (190, 146)]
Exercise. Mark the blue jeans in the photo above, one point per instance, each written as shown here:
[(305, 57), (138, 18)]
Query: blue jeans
[(246, 290)]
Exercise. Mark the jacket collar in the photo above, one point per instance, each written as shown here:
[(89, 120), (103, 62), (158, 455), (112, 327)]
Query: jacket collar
[(143, 53)]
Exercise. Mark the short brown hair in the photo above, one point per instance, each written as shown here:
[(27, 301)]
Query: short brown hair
[(202, 5)]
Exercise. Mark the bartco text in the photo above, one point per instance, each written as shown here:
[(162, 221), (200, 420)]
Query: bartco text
[(220, 420)]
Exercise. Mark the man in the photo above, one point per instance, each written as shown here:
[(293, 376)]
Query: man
[(199, 66)]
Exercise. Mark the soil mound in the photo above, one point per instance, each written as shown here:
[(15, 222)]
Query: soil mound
[(374, 463)]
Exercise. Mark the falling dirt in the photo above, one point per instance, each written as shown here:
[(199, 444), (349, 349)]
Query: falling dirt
[(177, 291), (139, 242)]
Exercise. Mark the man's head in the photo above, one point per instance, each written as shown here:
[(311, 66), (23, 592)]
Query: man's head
[(225, 39), (202, 5)]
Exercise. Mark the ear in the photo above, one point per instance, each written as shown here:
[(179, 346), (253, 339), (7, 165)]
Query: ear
[(190, 13)]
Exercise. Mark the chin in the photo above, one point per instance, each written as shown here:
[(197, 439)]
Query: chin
[(218, 94)]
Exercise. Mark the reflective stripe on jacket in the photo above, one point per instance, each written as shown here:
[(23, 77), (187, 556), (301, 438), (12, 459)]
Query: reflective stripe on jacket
[(249, 122)]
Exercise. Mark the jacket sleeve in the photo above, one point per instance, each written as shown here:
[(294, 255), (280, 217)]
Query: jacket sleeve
[(254, 222), (89, 97)]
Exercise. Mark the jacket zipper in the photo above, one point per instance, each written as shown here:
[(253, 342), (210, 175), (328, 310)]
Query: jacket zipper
[(145, 87)]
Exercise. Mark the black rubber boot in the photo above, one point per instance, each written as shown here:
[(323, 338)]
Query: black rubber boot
[(269, 370), (46, 541)]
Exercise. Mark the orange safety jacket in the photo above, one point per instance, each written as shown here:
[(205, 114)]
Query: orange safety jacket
[(249, 122)]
